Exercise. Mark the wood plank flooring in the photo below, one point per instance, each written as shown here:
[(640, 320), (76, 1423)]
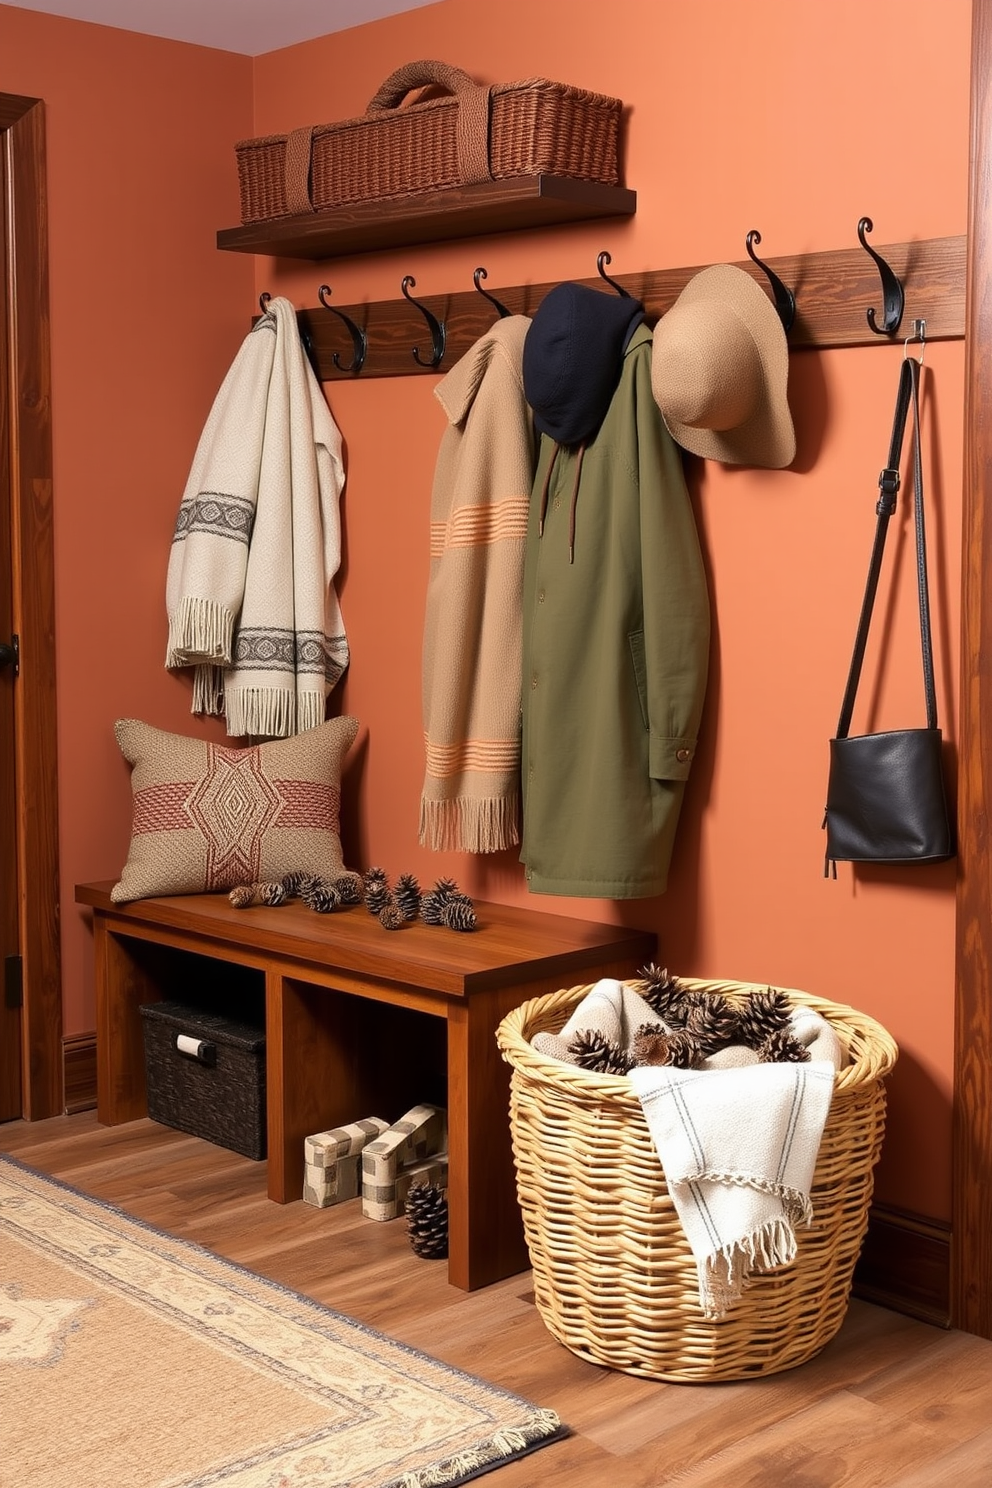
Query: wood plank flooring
[(890, 1403)]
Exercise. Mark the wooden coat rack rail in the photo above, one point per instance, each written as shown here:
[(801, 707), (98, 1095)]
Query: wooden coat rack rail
[(834, 291)]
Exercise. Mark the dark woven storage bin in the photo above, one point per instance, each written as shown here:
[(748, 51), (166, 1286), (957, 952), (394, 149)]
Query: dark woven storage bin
[(533, 127), (220, 1096)]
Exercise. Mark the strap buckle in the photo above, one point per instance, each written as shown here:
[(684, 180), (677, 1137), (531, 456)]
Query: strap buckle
[(888, 484)]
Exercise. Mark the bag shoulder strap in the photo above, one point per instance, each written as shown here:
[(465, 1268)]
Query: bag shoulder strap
[(889, 482)]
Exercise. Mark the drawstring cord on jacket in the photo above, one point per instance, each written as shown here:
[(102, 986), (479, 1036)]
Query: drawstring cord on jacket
[(544, 490), (575, 496)]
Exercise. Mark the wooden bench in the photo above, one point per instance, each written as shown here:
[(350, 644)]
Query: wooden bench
[(360, 1021)]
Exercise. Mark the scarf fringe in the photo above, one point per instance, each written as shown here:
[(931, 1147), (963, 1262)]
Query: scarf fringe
[(200, 631), (208, 690), (271, 712), (725, 1274), (467, 824), (311, 708)]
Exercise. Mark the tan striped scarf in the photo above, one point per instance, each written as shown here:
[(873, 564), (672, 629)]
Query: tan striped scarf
[(250, 596), (472, 633)]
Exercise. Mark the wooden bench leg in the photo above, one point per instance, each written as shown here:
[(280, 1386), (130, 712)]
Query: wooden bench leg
[(312, 1076), (121, 985), (485, 1231)]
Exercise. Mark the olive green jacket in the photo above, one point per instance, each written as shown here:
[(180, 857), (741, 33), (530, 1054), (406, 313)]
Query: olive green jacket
[(615, 651)]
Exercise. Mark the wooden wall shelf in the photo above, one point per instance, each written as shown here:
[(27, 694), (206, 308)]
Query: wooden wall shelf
[(833, 290), (431, 216)]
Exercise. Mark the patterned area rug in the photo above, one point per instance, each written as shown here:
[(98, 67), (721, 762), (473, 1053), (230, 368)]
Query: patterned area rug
[(131, 1358)]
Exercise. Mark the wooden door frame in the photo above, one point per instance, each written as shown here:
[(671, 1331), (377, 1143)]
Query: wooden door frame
[(971, 1233), (28, 379)]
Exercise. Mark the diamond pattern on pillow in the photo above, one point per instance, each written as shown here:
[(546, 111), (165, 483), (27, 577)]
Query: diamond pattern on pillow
[(207, 817)]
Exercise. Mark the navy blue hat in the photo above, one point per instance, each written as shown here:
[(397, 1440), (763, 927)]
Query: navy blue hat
[(573, 357)]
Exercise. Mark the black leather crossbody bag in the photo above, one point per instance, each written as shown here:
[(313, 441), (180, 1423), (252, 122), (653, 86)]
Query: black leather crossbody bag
[(886, 801)]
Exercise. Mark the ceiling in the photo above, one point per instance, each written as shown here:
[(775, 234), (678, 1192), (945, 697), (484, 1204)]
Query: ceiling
[(248, 26)]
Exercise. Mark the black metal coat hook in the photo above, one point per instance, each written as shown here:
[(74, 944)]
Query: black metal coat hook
[(481, 274), (263, 301), (785, 300), (359, 338), (893, 297), (437, 327), (604, 258)]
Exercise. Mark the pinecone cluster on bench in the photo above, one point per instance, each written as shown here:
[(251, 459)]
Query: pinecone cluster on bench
[(392, 905)]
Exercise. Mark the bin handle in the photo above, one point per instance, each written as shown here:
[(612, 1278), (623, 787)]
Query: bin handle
[(201, 1050)]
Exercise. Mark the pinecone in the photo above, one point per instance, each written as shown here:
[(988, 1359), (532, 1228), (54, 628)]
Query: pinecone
[(242, 896), (599, 1055), (407, 895), (349, 888), (433, 902), (458, 913), (430, 908), (376, 890), (320, 896), (391, 917), (295, 882), (652, 1045), (713, 1022), (427, 1221), (271, 895), (663, 995), (763, 1014), (782, 1047)]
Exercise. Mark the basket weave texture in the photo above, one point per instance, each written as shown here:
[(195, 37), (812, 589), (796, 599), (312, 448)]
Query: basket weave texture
[(224, 1101), (614, 1278), (473, 134)]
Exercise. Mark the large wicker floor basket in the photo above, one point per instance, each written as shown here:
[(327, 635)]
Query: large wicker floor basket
[(614, 1278)]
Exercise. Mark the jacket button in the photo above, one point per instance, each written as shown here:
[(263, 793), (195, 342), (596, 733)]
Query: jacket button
[(682, 755), (540, 596)]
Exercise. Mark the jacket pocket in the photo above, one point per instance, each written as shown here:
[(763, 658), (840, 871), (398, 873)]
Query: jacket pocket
[(635, 640)]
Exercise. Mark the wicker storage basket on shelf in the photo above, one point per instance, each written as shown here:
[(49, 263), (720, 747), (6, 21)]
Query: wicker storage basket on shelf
[(614, 1278), (474, 134)]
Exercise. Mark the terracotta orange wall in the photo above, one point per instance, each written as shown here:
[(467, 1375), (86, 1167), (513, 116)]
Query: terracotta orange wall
[(146, 316), (774, 116)]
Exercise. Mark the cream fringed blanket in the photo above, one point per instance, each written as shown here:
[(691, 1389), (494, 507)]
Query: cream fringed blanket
[(738, 1144), (250, 594), (738, 1147)]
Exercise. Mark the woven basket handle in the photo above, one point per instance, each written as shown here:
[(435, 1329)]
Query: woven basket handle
[(472, 136), (296, 171)]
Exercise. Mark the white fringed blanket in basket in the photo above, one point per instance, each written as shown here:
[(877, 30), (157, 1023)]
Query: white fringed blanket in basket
[(615, 1278)]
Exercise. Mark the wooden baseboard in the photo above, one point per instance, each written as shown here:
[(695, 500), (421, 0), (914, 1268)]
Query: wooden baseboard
[(79, 1073), (905, 1264)]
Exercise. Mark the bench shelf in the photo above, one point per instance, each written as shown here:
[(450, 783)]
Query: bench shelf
[(361, 1021)]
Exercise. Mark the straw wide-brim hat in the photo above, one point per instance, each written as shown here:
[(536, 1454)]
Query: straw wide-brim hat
[(720, 370)]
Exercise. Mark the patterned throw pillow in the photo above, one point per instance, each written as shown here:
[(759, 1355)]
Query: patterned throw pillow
[(208, 817)]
